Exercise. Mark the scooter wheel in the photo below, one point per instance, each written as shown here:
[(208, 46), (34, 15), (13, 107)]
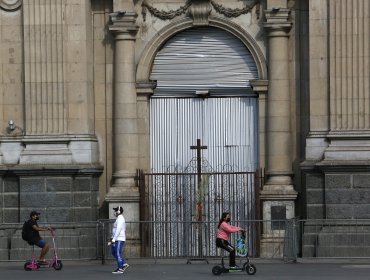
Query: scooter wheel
[(58, 265), (26, 266), (217, 270), (250, 269)]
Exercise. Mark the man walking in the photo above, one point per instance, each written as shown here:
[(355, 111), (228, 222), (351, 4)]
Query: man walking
[(118, 240)]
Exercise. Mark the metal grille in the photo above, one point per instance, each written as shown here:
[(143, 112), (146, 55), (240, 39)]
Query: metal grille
[(172, 202)]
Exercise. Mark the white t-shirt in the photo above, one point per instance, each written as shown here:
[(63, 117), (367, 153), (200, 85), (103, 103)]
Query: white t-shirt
[(119, 229)]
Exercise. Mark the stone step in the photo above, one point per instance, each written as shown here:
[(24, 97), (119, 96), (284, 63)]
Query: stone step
[(344, 239), (343, 251)]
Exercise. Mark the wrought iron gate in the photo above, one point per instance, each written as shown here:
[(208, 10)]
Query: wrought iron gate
[(184, 213)]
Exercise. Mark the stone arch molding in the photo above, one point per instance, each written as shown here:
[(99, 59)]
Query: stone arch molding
[(10, 5), (150, 51)]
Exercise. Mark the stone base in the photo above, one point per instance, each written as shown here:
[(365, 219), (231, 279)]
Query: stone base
[(133, 248), (348, 146), (271, 247), (337, 241), (44, 150), (76, 242), (128, 198), (60, 194)]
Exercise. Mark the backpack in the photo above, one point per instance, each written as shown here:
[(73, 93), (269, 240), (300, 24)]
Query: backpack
[(25, 231)]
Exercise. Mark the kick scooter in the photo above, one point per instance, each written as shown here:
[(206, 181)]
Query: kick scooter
[(54, 262), (241, 250)]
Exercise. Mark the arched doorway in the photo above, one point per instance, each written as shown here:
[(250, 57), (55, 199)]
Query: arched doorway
[(203, 92)]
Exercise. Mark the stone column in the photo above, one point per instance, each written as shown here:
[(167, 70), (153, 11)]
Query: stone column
[(124, 190), (278, 194)]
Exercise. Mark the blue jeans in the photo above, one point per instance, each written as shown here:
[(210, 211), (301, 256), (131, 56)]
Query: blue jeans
[(117, 249)]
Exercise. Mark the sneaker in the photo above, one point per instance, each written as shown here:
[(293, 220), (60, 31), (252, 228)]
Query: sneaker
[(234, 267), (118, 271), (126, 265)]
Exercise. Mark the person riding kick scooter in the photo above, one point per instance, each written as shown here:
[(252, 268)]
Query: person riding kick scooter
[(34, 238)]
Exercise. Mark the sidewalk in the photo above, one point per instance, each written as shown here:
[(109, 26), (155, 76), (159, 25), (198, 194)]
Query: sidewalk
[(141, 269)]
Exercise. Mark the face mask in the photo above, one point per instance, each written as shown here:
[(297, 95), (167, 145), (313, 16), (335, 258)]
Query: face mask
[(228, 220), (116, 214)]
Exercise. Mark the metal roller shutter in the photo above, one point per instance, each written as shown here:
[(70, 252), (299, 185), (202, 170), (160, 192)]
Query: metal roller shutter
[(203, 58), (226, 120)]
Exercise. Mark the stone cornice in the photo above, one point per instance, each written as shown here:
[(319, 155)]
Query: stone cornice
[(277, 21), (123, 23), (349, 135), (145, 88), (10, 5), (260, 85), (56, 169)]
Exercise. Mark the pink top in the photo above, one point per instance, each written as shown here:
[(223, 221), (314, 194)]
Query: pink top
[(225, 229)]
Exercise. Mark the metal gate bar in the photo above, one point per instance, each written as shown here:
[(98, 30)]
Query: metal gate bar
[(168, 198)]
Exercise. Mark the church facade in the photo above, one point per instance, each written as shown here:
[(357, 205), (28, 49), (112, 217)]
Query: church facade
[(94, 91)]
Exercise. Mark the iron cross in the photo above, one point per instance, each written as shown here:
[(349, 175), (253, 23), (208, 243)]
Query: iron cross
[(199, 148)]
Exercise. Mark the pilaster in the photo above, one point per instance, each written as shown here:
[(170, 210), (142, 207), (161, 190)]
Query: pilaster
[(278, 194), (261, 88)]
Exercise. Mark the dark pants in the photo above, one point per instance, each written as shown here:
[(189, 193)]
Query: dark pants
[(224, 244)]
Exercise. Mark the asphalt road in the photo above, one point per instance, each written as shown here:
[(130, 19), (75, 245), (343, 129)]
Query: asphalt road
[(180, 270)]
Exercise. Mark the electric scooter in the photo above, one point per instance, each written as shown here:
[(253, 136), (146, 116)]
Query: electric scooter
[(241, 250), (53, 263)]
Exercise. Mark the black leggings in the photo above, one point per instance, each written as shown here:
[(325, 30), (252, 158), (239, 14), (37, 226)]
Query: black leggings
[(224, 244)]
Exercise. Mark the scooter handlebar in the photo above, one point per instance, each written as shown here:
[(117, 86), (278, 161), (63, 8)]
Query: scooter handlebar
[(52, 231)]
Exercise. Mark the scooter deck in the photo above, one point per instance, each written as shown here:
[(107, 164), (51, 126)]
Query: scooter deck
[(43, 265), (231, 270)]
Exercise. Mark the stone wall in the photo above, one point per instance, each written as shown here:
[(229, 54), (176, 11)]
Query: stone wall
[(337, 205), (50, 157), (73, 241), (347, 195), (60, 195)]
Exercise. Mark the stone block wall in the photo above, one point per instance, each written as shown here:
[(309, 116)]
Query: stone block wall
[(315, 195), (58, 197), (347, 196), (337, 205), (73, 241)]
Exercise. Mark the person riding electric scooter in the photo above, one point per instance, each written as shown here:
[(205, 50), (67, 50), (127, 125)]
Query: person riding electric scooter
[(223, 233)]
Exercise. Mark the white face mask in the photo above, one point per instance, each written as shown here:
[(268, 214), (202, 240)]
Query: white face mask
[(116, 214)]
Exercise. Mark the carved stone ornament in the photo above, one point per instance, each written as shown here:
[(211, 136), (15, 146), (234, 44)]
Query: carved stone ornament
[(163, 14), (227, 12), (10, 5), (199, 10)]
